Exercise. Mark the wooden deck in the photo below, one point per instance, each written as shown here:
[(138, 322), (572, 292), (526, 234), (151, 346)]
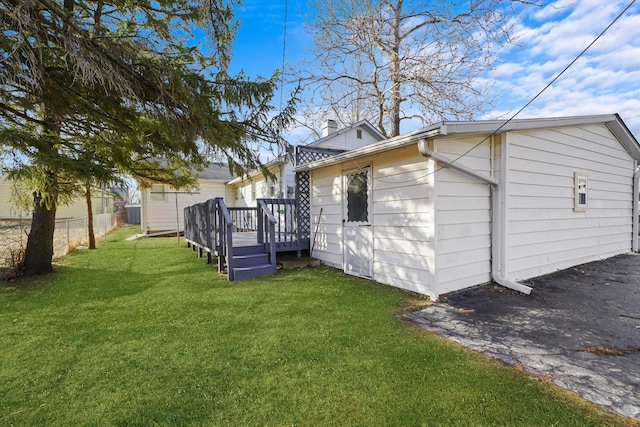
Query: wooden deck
[(245, 238)]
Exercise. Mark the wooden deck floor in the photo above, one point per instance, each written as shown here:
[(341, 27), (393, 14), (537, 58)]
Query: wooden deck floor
[(245, 238)]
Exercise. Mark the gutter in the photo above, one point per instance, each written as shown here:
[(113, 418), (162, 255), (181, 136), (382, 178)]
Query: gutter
[(423, 147), (498, 230), (389, 144)]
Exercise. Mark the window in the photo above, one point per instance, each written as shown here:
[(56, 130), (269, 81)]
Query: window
[(253, 191), (238, 193), (157, 193), (581, 188), (358, 196), (359, 133)]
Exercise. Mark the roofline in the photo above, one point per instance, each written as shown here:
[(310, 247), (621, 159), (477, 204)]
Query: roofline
[(363, 122), (613, 122), (280, 160), (389, 144)]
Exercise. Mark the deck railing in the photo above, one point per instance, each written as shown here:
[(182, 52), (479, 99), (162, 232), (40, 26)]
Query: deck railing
[(244, 219), (267, 234), (210, 226), (225, 237), (287, 236)]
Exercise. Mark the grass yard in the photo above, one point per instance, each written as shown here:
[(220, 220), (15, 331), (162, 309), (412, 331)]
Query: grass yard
[(145, 333)]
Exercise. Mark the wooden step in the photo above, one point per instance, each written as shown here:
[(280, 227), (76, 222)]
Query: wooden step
[(253, 271), (250, 260), (248, 250)]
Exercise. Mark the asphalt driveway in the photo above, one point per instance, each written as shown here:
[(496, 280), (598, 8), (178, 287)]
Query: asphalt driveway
[(580, 328)]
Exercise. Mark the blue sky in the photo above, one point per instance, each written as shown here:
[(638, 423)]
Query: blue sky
[(605, 80)]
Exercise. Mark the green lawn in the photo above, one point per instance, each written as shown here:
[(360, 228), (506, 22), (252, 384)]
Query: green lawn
[(145, 333)]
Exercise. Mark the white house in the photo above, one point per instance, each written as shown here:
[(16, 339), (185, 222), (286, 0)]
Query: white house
[(101, 202), (162, 206), (458, 204), (247, 189)]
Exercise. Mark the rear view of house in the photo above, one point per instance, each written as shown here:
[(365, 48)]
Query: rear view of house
[(459, 204)]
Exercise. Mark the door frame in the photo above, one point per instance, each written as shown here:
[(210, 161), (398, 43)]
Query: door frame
[(366, 228)]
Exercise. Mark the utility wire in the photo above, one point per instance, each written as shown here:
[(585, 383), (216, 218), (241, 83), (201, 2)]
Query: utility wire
[(528, 103), (284, 49)]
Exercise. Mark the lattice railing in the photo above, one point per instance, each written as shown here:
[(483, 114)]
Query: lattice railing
[(305, 155)]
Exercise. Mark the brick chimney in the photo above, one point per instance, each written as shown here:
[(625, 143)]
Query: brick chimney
[(329, 127)]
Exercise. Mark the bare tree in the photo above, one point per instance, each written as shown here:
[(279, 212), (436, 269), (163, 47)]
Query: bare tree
[(393, 60)]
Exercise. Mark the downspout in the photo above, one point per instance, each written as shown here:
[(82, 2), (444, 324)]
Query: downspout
[(498, 228), (636, 192)]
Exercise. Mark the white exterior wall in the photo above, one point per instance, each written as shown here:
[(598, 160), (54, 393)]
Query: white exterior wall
[(160, 215), (544, 234), (326, 196), (241, 194), (401, 216), (77, 208), (348, 140), (463, 217), (403, 221)]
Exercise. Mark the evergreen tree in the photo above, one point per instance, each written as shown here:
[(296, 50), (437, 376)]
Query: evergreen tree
[(93, 89)]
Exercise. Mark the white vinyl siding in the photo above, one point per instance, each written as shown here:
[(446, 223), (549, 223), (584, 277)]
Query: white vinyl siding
[(463, 217), (545, 232), (348, 140), (402, 218), (403, 221), (161, 215), (76, 208), (326, 196)]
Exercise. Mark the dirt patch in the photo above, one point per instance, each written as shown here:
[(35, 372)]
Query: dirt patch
[(601, 350)]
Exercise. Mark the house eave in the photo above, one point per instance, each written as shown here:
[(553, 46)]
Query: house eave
[(257, 172), (389, 144)]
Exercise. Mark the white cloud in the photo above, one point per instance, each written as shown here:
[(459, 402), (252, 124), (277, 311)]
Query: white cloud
[(605, 80)]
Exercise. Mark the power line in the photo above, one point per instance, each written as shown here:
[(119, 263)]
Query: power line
[(284, 49), (528, 103)]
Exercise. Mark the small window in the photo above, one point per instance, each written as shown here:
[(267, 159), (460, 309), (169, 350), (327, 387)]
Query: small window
[(158, 193), (581, 191), (238, 193), (253, 191), (359, 133)]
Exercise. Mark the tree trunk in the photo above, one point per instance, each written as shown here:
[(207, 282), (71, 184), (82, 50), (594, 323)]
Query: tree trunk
[(39, 251), (92, 236)]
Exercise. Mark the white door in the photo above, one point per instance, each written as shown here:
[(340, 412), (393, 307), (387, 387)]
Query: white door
[(357, 235)]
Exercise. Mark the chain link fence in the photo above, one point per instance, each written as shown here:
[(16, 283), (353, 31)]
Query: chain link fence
[(69, 234)]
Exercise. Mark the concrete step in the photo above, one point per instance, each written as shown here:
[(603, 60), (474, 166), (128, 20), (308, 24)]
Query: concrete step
[(254, 271)]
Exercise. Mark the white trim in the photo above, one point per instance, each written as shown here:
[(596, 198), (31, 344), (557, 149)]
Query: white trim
[(389, 144), (580, 180), (612, 121)]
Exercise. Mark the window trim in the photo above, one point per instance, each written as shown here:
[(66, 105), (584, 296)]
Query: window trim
[(581, 192), (157, 196)]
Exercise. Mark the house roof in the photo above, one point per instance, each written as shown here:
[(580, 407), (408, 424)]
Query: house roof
[(362, 123), (215, 172), (486, 127), (280, 160)]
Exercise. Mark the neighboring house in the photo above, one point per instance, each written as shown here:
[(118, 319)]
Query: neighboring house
[(282, 185), (101, 202), (454, 205), (162, 206), (245, 190)]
